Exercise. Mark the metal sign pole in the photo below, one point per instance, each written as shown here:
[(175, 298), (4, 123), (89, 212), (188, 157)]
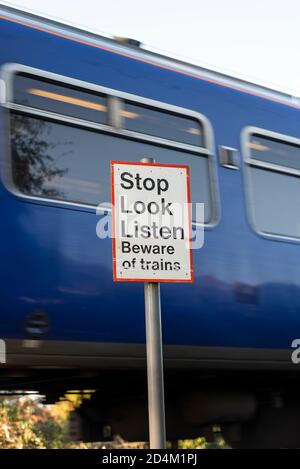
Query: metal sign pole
[(156, 400)]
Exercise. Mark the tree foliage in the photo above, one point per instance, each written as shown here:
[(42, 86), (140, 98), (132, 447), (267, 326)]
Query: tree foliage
[(27, 423)]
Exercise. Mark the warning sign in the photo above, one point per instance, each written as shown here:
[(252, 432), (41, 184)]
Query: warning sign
[(151, 222)]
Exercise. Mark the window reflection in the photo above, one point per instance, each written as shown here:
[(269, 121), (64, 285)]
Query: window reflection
[(67, 99), (59, 99), (162, 124), (33, 160), (275, 201), (275, 151)]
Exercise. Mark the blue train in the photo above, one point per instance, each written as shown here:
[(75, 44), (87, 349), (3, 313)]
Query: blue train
[(71, 102)]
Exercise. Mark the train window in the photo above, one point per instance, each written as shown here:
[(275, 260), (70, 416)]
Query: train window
[(70, 101), (166, 125), (64, 162), (273, 164), (64, 135)]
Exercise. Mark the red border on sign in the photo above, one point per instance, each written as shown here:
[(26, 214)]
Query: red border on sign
[(188, 190)]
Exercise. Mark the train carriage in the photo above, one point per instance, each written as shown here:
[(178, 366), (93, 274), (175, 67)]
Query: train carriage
[(71, 102)]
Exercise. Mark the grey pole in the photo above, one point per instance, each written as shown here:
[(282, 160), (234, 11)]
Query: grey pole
[(156, 399)]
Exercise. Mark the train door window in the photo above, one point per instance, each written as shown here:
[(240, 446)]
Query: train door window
[(63, 138), (273, 179)]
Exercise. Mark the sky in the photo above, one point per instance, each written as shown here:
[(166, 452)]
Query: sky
[(257, 40)]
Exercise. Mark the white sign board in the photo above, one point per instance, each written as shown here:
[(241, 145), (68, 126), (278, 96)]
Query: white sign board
[(151, 222)]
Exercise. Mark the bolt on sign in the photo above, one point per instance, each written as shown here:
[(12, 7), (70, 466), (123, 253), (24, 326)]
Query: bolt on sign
[(151, 222)]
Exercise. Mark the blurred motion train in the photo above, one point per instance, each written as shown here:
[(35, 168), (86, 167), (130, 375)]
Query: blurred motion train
[(72, 101)]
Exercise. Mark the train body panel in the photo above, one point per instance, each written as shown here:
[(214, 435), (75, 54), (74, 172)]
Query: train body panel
[(246, 294)]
